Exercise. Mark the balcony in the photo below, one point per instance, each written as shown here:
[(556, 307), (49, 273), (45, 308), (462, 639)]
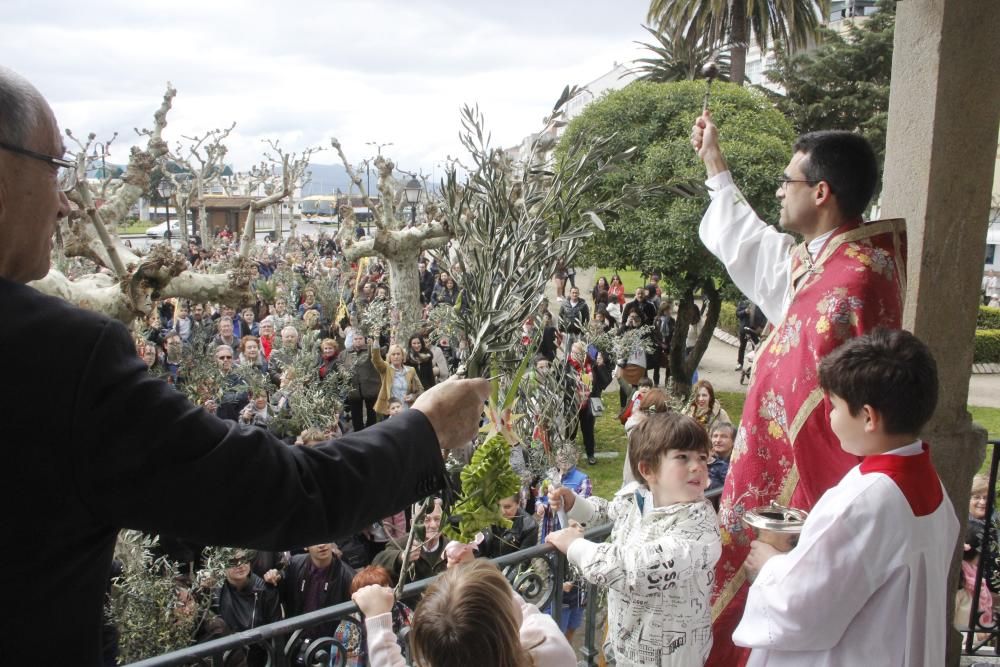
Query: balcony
[(534, 573)]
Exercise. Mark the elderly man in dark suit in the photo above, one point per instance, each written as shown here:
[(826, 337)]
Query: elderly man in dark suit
[(96, 444)]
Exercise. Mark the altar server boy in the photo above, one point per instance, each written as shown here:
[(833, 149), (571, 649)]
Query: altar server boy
[(867, 582)]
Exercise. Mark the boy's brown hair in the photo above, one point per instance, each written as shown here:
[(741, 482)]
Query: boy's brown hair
[(890, 370), (661, 432)]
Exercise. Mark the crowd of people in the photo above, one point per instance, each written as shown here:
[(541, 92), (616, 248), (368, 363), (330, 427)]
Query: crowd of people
[(308, 332)]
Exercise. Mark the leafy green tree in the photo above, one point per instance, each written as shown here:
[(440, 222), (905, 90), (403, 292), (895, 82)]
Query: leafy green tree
[(659, 230), (843, 84), (731, 21)]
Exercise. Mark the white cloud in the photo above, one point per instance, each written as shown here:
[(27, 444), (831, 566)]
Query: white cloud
[(306, 70)]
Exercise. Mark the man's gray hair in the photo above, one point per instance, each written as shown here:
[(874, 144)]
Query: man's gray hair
[(725, 426), (21, 106)]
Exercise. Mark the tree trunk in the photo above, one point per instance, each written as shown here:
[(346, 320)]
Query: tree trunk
[(203, 226), (682, 363), (292, 227), (206, 229), (404, 290), (739, 38), (181, 204)]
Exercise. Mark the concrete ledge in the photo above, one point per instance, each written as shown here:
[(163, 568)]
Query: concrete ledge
[(726, 337), (977, 369)]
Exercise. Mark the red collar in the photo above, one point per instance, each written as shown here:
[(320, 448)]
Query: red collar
[(914, 475)]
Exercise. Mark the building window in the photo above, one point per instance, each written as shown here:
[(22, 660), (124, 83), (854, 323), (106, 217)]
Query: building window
[(991, 251)]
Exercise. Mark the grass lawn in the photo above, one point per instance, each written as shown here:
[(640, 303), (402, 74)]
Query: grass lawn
[(630, 279), (138, 227), (988, 418)]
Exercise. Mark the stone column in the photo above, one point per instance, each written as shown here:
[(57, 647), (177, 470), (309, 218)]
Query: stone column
[(944, 110)]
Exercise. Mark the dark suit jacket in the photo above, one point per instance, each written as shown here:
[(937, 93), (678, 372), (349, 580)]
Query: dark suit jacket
[(92, 443)]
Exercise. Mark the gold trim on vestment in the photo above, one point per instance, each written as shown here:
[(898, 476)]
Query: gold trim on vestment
[(728, 593), (814, 398)]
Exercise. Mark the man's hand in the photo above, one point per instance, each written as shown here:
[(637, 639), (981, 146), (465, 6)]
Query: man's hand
[(562, 539), (374, 600), (760, 553), (705, 139), (561, 496), (414, 552), (272, 577), (454, 409)]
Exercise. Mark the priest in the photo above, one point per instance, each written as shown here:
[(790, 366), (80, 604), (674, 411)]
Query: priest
[(844, 277)]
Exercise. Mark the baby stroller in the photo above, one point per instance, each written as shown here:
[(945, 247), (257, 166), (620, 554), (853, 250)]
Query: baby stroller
[(750, 356)]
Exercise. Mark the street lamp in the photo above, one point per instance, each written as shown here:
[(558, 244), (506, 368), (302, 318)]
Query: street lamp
[(378, 146), (166, 188), (413, 190), (103, 155)]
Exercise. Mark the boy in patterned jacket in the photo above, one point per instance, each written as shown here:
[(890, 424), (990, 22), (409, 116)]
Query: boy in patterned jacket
[(659, 565)]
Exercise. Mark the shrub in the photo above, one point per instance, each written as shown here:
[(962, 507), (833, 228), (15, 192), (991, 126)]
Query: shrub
[(989, 318), (987, 346), (727, 319)]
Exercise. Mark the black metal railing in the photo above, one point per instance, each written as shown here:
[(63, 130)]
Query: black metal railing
[(530, 571), (981, 634)]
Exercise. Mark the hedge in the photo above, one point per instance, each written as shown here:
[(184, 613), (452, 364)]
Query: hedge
[(987, 346), (729, 323), (989, 318)]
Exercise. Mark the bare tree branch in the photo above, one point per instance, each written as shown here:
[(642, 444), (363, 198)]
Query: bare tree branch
[(355, 178)]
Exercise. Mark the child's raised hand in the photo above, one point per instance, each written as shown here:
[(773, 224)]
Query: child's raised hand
[(562, 539), (561, 498), (374, 600)]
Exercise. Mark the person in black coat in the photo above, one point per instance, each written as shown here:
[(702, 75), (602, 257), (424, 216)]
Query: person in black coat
[(314, 580), (427, 279), (642, 306), (244, 601), (125, 450), (522, 534)]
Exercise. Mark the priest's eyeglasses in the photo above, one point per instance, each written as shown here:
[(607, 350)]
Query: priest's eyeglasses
[(784, 181), (65, 169)]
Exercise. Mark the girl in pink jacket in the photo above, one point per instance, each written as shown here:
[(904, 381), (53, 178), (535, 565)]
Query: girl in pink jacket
[(469, 616)]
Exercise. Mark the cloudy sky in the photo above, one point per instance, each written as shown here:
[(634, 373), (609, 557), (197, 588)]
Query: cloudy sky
[(302, 71)]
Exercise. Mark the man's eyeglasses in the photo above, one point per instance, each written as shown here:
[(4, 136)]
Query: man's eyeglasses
[(66, 174), (783, 182), (227, 356)]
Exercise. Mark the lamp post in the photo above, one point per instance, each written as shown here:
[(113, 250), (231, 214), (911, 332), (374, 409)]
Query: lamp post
[(103, 155), (378, 146), (413, 190), (166, 188)]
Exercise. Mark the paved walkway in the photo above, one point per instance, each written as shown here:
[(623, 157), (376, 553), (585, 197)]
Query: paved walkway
[(720, 359)]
